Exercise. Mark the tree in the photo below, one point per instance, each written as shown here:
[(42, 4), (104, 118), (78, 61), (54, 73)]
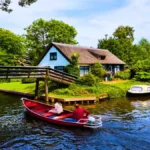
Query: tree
[(73, 68), (40, 33), (4, 4), (12, 47), (142, 70), (145, 46), (120, 44), (124, 33)]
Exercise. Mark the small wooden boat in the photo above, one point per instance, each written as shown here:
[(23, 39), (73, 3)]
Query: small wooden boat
[(41, 111), (139, 90)]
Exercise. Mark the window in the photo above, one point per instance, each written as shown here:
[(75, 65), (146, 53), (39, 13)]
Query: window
[(101, 57), (53, 56), (59, 68), (84, 70), (136, 88)]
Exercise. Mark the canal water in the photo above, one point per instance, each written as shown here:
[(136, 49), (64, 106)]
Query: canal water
[(126, 126)]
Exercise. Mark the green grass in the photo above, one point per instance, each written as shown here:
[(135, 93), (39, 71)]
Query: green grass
[(112, 89), (127, 84), (18, 86)]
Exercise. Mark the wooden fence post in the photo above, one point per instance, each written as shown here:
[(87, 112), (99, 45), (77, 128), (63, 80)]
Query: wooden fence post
[(36, 88), (46, 84)]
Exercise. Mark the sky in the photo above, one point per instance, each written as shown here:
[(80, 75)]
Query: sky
[(92, 19)]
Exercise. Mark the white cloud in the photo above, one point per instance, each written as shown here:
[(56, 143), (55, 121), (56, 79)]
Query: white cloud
[(91, 26), (135, 14)]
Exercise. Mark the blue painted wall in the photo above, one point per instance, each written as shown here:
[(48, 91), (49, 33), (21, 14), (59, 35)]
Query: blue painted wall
[(61, 60)]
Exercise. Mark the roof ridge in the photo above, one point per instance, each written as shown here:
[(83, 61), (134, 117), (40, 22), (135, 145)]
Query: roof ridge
[(77, 46)]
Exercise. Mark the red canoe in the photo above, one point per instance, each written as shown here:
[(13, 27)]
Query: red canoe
[(41, 111)]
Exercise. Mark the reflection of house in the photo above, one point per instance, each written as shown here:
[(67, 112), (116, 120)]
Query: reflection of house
[(57, 56)]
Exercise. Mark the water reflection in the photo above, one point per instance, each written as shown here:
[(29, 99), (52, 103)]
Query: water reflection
[(126, 125)]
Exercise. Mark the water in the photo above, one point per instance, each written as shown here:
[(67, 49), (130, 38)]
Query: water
[(126, 126)]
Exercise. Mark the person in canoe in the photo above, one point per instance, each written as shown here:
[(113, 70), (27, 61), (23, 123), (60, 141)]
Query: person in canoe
[(58, 109), (80, 113)]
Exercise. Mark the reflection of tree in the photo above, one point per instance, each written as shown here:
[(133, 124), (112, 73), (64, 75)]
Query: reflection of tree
[(114, 106)]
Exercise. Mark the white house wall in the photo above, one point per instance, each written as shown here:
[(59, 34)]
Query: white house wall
[(61, 60)]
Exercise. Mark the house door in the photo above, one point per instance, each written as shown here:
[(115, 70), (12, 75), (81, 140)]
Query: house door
[(110, 68), (117, 68)]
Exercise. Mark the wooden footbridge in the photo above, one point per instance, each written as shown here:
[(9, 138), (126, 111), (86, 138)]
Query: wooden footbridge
[(40, 73)]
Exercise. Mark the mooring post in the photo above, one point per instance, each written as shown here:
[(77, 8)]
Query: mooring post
[(46, 84), (46, 89), (36, 88)]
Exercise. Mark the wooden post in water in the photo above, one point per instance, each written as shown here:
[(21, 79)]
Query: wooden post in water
[(36, 88), (46, 84)]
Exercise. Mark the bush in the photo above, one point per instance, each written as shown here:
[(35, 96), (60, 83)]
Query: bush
[(116, 92), (98, 70), (53, 85), (142, 76), (28, 80), (15, 80), (69, 92), (123, 74), (88, 79), (73, 68), (4, 80)]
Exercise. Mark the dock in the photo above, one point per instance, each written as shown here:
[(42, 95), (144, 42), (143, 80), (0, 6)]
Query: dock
[(74, 100), (53, 99)]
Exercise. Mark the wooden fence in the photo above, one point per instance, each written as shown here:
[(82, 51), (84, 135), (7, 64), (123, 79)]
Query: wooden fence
[(9, 72), (40, 73)]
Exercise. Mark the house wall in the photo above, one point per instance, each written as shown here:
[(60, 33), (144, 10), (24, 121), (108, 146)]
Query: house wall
[(61, 60)]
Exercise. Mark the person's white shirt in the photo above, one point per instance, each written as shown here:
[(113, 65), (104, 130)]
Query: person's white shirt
[(57, 108)]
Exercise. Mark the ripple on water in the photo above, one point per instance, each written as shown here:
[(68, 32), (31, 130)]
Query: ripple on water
[(125, 126)]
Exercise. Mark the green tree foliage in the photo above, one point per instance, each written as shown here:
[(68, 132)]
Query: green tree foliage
[(142, 76), (40, 33), (120, 43), (11, 47), (73, 68), (4, 4), (144, 44), (142, 70), (124, 33), (143, 65), (98, 70)]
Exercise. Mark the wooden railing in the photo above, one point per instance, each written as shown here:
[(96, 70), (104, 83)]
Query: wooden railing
[(8, 72)]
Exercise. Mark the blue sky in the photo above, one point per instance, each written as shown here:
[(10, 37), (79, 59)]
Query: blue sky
[(91, 18)]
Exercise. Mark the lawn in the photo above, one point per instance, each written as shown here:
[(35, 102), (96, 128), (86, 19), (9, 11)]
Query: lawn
[(113, 89)]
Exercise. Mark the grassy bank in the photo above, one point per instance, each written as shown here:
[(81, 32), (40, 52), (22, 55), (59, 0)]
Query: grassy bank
[(112, 89)]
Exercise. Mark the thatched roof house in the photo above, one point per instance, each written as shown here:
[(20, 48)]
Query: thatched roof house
[(58, 55)]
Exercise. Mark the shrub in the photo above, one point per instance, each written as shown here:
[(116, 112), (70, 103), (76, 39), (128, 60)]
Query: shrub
[(4, 80), (123, 74), (15, 80), (53, 85), (98, 70), (116, 92), (73, 68), (28, 80), (88, 79), (142, 76)]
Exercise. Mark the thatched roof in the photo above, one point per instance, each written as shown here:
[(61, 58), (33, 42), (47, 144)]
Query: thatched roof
[(87, 55)]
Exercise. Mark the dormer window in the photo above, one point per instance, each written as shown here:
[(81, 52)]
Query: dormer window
[(53, 56), (101, 57)]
